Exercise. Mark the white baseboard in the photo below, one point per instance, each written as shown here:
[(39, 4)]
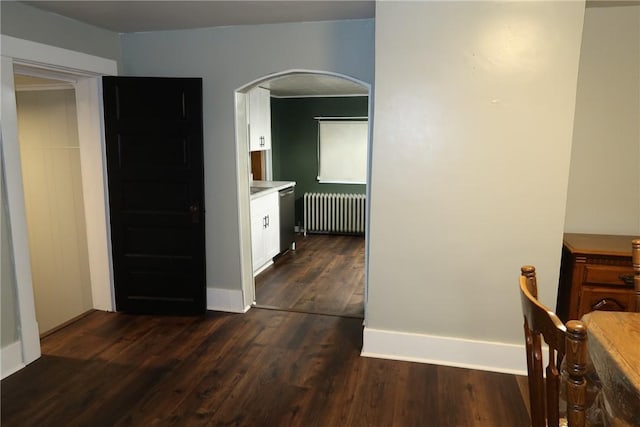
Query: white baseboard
[(263, 268), (11, 359), (230, 300), (458, 352)]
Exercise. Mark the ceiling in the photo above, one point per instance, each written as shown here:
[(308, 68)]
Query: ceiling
[(298, 85), (139, 16)]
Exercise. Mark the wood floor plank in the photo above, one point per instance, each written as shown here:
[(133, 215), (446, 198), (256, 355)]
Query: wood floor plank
[(263, 368), (324, 275)]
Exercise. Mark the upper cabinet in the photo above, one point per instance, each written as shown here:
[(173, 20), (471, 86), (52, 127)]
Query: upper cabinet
[(259, 113)]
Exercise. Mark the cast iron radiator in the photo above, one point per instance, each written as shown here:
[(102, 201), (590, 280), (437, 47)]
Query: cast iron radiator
[(334, 213)]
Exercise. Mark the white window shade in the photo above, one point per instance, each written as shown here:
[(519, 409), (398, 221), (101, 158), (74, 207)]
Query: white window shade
[(342, 151)]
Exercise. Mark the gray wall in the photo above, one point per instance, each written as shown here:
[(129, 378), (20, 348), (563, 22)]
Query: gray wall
[(471, 148), (227, 59), (604, 184), (25, 22)]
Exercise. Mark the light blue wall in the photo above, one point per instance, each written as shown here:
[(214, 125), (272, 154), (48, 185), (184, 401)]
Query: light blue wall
[(25, 22), (228, 58)]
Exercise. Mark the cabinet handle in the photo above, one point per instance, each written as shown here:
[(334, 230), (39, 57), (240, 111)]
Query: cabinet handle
[(267, 220)]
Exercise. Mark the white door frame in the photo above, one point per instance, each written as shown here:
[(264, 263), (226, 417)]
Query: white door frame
[(243, 167), (85, 70)]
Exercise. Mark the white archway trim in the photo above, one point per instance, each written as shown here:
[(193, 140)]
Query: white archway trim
[(18, 52), (268, 77), (242, 167)]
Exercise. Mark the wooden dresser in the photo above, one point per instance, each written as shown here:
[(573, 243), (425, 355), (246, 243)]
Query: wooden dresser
[(596, 274)]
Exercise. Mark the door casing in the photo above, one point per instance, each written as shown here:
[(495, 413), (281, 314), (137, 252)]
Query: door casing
[(84, 71)]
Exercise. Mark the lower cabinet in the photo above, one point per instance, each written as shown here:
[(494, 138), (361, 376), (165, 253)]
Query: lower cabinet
[(265, 229)]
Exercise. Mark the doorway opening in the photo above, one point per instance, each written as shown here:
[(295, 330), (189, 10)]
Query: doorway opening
[(85, 71), (54, 204), (325, 274)]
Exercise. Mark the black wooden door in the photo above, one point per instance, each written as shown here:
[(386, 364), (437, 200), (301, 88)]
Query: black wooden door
[(153, 129)]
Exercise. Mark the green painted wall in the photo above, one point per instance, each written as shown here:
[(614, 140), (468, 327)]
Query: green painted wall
[(294, 136)]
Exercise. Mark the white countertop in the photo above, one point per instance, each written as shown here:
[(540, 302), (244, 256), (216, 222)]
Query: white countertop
[(267, 187)]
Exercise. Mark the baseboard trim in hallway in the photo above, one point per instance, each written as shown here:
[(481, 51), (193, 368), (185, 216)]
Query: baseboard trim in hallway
[(446, 351)]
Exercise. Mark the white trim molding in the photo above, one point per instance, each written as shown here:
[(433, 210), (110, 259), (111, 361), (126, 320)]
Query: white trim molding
[(29, 334), (45, 61), (94, 191), (42, 87), (230, 300), (11, 359), (52, 57), (448, 351)]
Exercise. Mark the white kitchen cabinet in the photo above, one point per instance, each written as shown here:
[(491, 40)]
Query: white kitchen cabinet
[(259, 113), (265, 229)]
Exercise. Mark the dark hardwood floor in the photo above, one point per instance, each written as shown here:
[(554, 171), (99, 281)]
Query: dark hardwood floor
[(262, 368), (324, 275)]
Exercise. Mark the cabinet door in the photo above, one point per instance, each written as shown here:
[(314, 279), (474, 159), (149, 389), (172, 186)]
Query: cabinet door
[(259, 106), (257, 240), (265, 232), (272, 232), (265, 114)]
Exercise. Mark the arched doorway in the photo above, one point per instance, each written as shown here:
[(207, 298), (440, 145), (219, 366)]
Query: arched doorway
[(292, 87)]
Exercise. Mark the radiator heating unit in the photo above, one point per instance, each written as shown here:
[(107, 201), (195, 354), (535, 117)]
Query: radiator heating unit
[(334, 213)]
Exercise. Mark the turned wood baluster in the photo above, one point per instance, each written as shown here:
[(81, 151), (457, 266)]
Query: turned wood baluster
[(635, 256), (576, 354)]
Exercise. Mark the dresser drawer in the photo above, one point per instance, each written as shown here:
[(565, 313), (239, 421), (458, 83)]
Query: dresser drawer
[(605, 299), (607, 275)]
